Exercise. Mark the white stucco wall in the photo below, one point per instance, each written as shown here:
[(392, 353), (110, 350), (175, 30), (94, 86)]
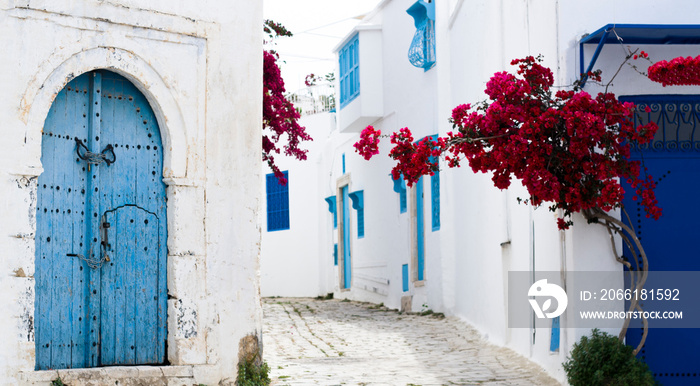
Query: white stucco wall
[(294, 261), (199, 65)]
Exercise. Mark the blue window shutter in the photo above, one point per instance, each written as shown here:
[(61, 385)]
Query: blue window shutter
[(335, 254), (277, 203), (435, 194), (435, 200), (400, 188), (331, 200), (358, 203), (349, 63), (554, 342), (343, 163)]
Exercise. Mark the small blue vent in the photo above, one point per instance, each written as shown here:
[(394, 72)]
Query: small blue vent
[(277, 203)]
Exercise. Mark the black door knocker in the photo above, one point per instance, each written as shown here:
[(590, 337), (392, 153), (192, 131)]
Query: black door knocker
[(95, 158)]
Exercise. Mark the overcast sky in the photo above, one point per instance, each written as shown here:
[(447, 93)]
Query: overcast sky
[(318, 26)]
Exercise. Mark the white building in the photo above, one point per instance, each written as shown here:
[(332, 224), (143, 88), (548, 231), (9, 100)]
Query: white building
[(449, 243), (130, 237)]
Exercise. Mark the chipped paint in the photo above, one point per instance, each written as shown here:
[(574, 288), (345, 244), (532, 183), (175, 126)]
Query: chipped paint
[(186, 320), (26, 317)]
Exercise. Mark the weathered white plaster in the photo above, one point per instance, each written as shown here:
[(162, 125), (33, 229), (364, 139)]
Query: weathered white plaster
[(199, 66)]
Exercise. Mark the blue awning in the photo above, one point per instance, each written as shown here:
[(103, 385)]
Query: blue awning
[(637, 34)]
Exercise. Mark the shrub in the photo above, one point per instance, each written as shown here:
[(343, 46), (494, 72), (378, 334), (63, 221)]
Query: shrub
[(250, 374), (602, 359)]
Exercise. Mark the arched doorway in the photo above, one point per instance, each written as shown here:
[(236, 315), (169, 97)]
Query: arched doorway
[(100, 279)]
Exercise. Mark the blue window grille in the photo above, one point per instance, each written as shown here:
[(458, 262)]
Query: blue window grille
[(421, 53), (277, 203), (400, 188), (677, 116), (404, 277), (358, 203), (332, 208), (348, 58)]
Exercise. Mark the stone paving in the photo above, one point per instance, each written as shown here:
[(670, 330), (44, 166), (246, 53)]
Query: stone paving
[(333, 342)]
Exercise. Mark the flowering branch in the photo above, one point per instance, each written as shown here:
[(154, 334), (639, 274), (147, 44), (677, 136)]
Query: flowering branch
[(280, 118), (567, 148)]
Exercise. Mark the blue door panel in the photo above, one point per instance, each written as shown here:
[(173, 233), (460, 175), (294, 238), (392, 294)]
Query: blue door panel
[(673, 159), (82, 310)]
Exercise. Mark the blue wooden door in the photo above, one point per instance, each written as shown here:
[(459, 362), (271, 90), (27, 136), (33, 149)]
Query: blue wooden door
[(347, 264), (420, 229), (101, 229), (673, 159)]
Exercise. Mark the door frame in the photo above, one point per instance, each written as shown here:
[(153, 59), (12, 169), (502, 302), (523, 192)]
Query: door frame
[(417, 211)]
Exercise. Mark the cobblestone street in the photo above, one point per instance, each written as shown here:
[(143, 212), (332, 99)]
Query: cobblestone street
[(332, 342)]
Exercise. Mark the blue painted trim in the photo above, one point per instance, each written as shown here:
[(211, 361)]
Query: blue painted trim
[(554, 341), (636, 34), (332, 207), (343, 163), (349, 70), (404, 277), (277, 203), (358, 204)]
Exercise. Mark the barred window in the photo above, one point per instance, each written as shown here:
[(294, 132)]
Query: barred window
[(421, 54)]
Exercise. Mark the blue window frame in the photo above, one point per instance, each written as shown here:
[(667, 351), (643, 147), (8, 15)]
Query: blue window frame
[(343, 163), (421, 53), (358, 203), (348, 58), (277, 203)]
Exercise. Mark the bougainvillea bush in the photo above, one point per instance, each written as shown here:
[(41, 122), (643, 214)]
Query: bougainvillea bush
[(280, 118), (568, 148)]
